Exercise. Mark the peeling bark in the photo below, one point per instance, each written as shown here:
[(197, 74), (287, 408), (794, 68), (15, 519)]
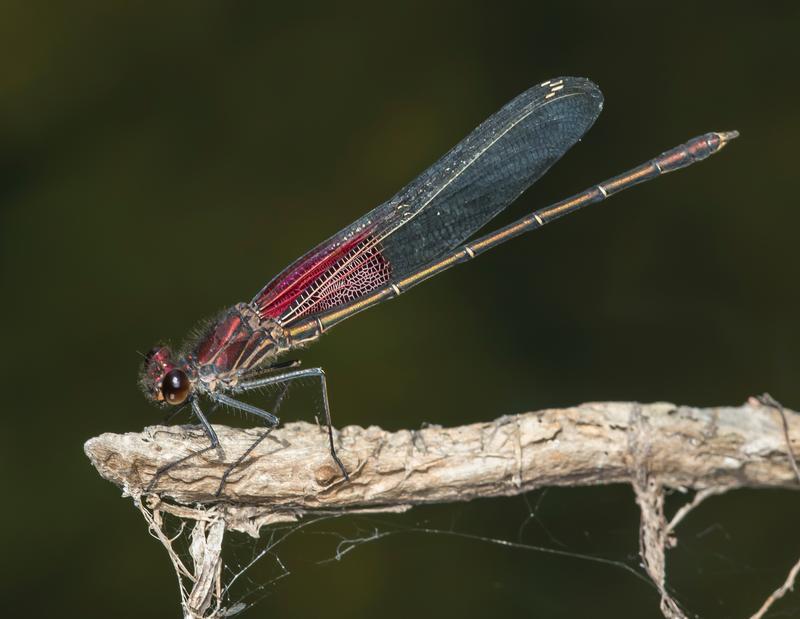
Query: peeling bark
[(291, 472)]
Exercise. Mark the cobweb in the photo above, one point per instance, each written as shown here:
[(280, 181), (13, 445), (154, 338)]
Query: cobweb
[(224, 569), (223, 573)]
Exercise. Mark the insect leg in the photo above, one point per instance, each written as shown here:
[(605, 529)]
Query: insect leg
[(212, 436), (173, 412), (318, 373), (276, 407), (221, 398)]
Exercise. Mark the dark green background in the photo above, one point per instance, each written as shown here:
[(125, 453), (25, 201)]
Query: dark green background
[(160, 161)]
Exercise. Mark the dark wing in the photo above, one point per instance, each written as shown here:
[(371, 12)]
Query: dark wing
[(442, 207)]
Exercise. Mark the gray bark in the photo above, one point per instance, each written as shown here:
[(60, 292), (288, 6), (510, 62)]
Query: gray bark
[(291, 472)]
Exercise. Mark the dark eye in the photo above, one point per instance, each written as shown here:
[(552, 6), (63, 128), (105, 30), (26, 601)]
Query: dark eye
[(175, 387)]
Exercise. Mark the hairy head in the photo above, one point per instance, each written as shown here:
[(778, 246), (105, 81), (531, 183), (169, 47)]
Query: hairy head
[(162, 380)]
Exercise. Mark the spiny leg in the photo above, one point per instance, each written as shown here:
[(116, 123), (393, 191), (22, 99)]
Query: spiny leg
[(273, 369), (173, 412), (212, 436), (256, 443), (307, 373)]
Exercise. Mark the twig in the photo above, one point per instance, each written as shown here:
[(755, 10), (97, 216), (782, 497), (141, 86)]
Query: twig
[(779, 592), (652, 446), (291, 473), (766, 399), (684, 511)]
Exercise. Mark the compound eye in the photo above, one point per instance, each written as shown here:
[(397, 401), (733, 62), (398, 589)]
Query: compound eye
[(175, 387)]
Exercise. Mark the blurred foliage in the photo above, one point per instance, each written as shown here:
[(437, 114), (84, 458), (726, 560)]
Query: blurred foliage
[(160, 161)]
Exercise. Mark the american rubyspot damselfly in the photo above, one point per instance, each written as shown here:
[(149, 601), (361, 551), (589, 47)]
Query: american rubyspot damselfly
[(418, 233)]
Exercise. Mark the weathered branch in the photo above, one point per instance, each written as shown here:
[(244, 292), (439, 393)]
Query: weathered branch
[(291, 472)]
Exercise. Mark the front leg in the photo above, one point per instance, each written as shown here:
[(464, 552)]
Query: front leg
[(276, 408), (318, 373), (212, 437)]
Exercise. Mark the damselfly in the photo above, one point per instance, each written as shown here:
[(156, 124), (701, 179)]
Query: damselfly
[(421, 231)]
